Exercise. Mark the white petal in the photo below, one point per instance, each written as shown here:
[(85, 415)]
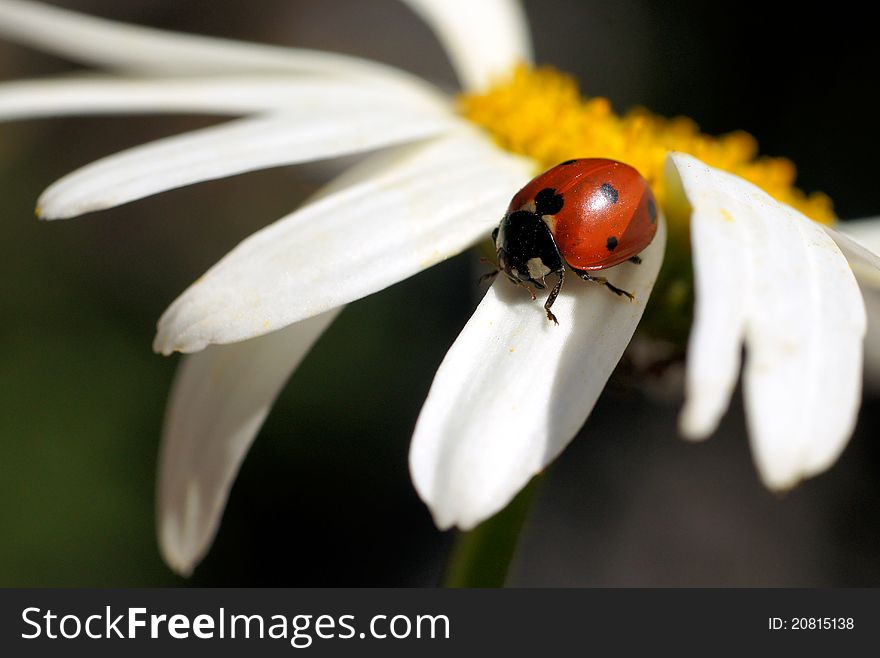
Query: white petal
[(119, 45), (212, 95), (312, 133), (859, 240), (866, 231), (721, 272), (219, 401), (483, 39), (396, 214), (797, 302), (872, 339), (514, 389)]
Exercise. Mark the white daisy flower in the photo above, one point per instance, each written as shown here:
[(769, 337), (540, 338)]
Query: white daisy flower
[(765, 275)]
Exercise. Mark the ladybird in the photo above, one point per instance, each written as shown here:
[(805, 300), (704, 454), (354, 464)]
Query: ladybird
[(588, 214)]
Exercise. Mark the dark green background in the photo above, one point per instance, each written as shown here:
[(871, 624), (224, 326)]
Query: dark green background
[(324, 497)]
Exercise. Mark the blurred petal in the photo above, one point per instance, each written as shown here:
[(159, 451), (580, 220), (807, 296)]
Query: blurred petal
[(721, 271), (219, 400), (859, 240), (118, 45), (798, 306), (514, 389), (855, 239), (213, 95), (483, 39), (872, 339), (396, 214), (313, 133), (866, 231)]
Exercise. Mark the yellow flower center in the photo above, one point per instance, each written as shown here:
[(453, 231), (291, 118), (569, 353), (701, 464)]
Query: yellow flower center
[(540, 113)]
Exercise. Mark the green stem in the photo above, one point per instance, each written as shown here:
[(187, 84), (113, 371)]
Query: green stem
[(482, 556)]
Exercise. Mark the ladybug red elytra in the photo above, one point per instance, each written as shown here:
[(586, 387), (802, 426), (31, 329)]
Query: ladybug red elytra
[(588, 214)]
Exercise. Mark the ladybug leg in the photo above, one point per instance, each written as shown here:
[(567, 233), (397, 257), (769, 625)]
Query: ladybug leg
[(600, 279), (635, 260), (531, 292), (617, 291), (552, 297), (522, 284), (489, 276)]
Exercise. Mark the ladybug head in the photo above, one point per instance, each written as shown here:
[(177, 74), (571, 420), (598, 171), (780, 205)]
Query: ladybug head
[(526, 248)]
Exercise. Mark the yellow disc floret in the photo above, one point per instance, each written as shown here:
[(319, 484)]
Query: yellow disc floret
[(540, 113)]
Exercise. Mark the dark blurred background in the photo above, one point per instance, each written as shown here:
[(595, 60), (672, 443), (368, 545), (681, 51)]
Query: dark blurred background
[(324, 497)]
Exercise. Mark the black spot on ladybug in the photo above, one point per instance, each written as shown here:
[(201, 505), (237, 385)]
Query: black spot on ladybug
[(652, 211), (610, 193), (611, 243), (567, 162), (547, 202)]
